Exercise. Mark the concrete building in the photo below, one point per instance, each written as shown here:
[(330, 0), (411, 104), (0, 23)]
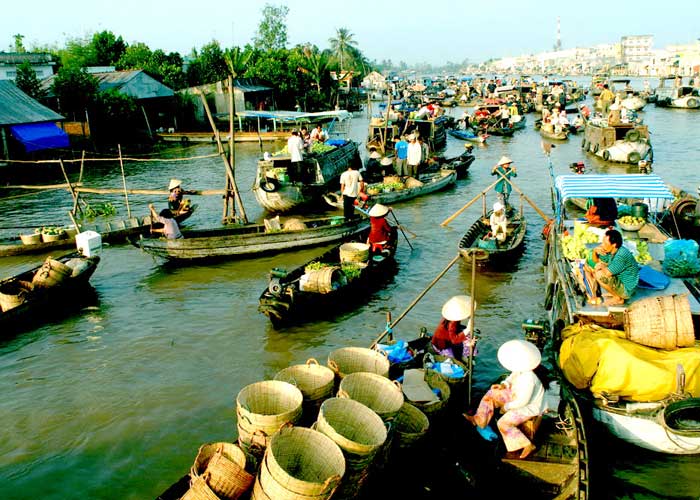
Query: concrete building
[(636, 49), (42, 64)]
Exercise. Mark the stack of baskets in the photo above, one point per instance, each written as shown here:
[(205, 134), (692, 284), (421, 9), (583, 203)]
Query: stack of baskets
[(299, 464), (360, 434), (263, 408), (316, 383), (51, 273), (219, 472), (410, 427), (381, 395), (347, 360)]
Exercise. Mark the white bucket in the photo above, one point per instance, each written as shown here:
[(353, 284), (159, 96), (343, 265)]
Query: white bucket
[(89, 243)]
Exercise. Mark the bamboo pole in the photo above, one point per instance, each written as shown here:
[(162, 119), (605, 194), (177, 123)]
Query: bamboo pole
[(126, 194), (75, 223), (80, 180), (415, 301), (386, 123), (151, 192), (229, 168), (454, 216), (232, 150), (40, 188), (70, 186), (470, 365)]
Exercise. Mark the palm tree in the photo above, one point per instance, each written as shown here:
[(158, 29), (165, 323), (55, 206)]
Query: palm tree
[(342, 43), (315, 65), (237, 60)]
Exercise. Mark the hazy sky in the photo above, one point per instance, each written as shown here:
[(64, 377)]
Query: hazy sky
[(433, 31)]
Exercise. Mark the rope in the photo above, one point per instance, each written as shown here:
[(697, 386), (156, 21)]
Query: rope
[(35, 162)]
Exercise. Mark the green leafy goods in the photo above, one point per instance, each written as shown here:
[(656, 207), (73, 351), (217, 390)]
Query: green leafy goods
[(282, 152), (315, 266), (574, 247), (643, 255), (319, 148), (352, 270), (99, 209), (632, 221), (52, 231)]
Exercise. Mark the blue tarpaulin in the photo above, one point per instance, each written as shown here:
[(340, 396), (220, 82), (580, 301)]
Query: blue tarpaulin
[(38, 136)]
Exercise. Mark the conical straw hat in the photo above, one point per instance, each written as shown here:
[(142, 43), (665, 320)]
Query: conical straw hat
[(504, 161), (458, 308), (519, 355), (378, 210), (174, 183)]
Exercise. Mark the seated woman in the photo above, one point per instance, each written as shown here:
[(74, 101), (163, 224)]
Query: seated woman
[(175, 202), (520, 397), (449, 338), (170, 228), (381, 233), (499, 222), (601, 212)]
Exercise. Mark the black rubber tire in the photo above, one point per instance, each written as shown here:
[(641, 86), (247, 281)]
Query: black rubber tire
[(184, 139), (584, 145), (634, 158), (606, 155), (595, 148), (692, 103), (632, 136), (269, 185)]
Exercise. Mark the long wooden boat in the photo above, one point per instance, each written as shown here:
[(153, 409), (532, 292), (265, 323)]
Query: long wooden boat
[(468, 135), (300, 295), (252, 239), (486, 251), (668, 422), (114, 231), (431, 182), (276, 191), (562, 135), (460, 164), (40, 303)]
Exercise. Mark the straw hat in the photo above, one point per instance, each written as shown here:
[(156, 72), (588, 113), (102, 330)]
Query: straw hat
[(458, 308), (174, 183), (386, 161), (378, 210), (375, 154), (519, 355), (504, 161), (497, 206)]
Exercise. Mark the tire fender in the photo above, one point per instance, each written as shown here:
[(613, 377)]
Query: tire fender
[(633, 157), (606, 155), (269, 184)]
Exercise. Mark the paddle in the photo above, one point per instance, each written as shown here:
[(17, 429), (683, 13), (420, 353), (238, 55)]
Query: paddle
[(532, 203)]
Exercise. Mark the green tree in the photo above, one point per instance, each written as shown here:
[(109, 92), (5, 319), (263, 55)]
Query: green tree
[(27, 81), (74, 89), (114, 117), (19, 44), (208, 66), (107, 48), (78, 53), (272, 30), (280, 67), (315, 65), (237, 60), (341, 44), (136, 56)]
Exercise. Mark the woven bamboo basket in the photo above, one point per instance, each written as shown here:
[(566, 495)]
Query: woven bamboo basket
[(258, 492), (30, 239), (662, 322), (51, 273), (313, 380), (354, 252), (305, 462), (381, 395), (268, 405), (410, 426), (434, 410), (351, 425), (222, 466), (199, 490), (455, 383), (347, 360), (13, 293), (412, 182)]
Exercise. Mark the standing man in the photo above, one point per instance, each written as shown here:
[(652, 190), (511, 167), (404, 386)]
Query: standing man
[(350, 186), (616, 270), (413, 157), (295, 147), (605, 99), (401, 149), (503, 187)]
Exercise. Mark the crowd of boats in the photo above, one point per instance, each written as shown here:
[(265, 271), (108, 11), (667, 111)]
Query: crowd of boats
[(654, 408)]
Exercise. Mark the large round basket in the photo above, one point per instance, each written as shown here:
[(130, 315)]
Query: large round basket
[(51, 273), (267, 406), (30, 239), (303, 461), (347, 360), (199, 490), (13, 293), (222, 466), (354, 252), (351, 425), (378, 393), (313, 380), (455, 383), (434, 410), (410, 426)]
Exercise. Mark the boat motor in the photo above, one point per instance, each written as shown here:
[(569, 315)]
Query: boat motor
[(578, 167), (536, 331)]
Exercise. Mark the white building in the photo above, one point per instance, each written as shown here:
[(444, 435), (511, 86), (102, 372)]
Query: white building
[(636, 48), (41, 64)]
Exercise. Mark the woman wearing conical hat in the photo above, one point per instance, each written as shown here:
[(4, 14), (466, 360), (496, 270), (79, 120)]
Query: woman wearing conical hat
[(381, 233), (504, 167), (521, 396), (451, 336), (175, 203)]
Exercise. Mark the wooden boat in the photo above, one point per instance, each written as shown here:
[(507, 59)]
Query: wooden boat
[(617, 142), (299, 295), (429, 183), (669, 424), (551, 134), (252, 239), (460, 164), (33, 303), (468, 135), (487, 251), (433, 131), (276, 191), (113, 231)]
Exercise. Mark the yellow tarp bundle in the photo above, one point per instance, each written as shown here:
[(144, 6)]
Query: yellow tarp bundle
[(604, 361)]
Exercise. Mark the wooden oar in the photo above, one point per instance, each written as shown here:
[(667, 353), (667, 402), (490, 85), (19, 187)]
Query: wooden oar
[(454, 215), (532, 203), (401, 228)]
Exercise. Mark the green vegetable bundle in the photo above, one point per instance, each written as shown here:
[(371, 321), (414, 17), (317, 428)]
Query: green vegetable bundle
[(352, 270), (320, 148), (574, 247)]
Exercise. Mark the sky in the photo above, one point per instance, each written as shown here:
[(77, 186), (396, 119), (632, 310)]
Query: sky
[(432, 31)]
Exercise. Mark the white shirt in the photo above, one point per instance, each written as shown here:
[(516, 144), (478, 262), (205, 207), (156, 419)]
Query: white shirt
[(350, 182), (528, 393), (295, 146), (318, 135), (414, 153), (498, 222)]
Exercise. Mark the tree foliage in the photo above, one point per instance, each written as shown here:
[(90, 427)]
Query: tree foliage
[(19, 43), (208, 66), (280, 68), (341, 45), (27, 81), (272, 30), (114, 116), (166, 68), (74, 89), (108, 48)]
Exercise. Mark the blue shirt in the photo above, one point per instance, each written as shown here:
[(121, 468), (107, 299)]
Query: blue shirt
[(401, 148)]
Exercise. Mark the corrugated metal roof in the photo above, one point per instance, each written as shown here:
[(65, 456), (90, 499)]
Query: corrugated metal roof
[(20, 57), (16, 107), (249, 85), (135, 83)]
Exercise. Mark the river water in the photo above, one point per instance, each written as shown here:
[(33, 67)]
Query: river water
[(113, 402)]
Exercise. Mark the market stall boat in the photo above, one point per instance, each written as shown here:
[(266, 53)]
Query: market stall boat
[(617, 142), (659, 412)]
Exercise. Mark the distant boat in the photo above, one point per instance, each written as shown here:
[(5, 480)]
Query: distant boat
[(468, 135)]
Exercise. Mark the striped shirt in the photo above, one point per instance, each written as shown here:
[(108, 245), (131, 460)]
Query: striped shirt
[(625, 268)]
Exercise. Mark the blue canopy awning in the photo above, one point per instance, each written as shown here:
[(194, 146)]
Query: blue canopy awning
[(612, 186), (38, 136)]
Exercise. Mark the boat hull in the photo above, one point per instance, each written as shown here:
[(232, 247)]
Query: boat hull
[(496, 257)]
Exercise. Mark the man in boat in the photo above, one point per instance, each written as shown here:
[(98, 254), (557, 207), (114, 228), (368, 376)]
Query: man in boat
[(401, 149), (351, 185), (381, 233), (318, 134), (616, 270), (499, 223), (170, 228), (175, 202), (521, 396), (414, 156), (451, 338), (504, 168), (295, 148)]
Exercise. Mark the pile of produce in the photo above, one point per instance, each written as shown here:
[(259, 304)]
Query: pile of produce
[(574, 247), (632, 221), (319, 148), (352, 270), (642, 256), (315, 266), (681, 258), (383, 187), (99, 209), (51, 231)]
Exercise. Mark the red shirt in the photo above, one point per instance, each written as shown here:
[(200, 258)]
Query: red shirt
[(447, 334), (380, 230)]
